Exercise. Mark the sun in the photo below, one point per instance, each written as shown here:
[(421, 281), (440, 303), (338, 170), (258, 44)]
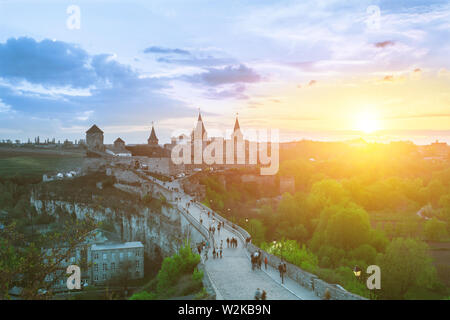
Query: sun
[(367, 122)]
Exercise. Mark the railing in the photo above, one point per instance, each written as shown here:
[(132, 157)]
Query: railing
[(303, 278)]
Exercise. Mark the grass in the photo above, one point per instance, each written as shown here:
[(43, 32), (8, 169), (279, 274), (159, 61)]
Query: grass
[(22, 163)]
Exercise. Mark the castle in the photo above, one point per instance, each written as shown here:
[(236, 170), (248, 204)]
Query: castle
[(157, 158)]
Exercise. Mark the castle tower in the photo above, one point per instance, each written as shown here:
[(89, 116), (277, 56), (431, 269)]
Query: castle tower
[(199, 129), (119, 143), (239, 144), (94, 138), (152, 140), (237, 134)]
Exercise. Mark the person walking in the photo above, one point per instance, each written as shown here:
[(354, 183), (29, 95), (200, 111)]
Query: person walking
[(265, 262), (228, 242), (220, 251), (280, 269), (264, 295), (258, 294)]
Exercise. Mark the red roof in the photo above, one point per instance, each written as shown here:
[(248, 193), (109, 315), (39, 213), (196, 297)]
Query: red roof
[(94, 129)]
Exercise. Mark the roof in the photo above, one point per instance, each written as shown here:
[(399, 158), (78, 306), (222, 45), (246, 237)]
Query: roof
[(197, 127), (126, 245), (153, 134), (119, 140), (236, 125), (94, 129)]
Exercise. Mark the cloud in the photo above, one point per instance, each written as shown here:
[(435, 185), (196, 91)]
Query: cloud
[(156, 49), (226, 75), (4, 108), (384, 44), (62, 84), (234, 92), (416, 74), (208, 61), (391, 79), (52, 63)]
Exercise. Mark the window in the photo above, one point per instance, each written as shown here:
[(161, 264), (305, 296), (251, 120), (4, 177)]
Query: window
[(137, 253), (96, 267), (104, 276), (137, 265), (105, 256), (96, 278), (113, 266), (113, 256), (121, 256), (105, 267), (129, 254), (95, 255)]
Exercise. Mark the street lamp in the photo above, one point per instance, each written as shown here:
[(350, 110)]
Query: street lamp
[(357, 271)]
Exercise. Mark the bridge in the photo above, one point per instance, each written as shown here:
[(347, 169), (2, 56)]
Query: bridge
[(232, 276)]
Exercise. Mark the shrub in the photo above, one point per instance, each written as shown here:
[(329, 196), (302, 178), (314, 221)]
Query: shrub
[(143, 295)]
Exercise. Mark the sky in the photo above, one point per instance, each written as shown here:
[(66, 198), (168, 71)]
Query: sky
[(321, 70)]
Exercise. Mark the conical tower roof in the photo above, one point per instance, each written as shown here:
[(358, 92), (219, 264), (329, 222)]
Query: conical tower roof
[(236, 125), (152, 139), (199, 126)]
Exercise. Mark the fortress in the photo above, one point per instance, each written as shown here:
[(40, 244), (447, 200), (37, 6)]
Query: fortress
[(156, 158)]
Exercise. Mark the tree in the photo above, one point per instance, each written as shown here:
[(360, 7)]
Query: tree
[(348, 228), (405, 264), (435, 230), (18, 256), (365, 253), (257, 231)]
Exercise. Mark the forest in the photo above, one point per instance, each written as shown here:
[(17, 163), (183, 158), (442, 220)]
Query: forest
[(382, 204)]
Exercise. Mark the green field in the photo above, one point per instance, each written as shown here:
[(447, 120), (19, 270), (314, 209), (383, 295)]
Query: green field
[(36, 163)]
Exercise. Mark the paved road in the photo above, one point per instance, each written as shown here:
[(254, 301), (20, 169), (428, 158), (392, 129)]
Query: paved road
[(232, 275)]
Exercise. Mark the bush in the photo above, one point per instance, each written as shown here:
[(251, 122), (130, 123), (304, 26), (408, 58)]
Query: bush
[(143, 295), (291, 251), (175, 266)]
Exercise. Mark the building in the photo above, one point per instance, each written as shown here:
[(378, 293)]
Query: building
[(101, 258), (118, 149), (94, 138), (117, 262), (151, 149), (119, 143), (153, 140)]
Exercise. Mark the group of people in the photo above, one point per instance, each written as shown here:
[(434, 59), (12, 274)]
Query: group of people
[(232, 243), (218, 253)]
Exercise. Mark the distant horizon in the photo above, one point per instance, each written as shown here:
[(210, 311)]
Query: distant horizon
[(423, 137)]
